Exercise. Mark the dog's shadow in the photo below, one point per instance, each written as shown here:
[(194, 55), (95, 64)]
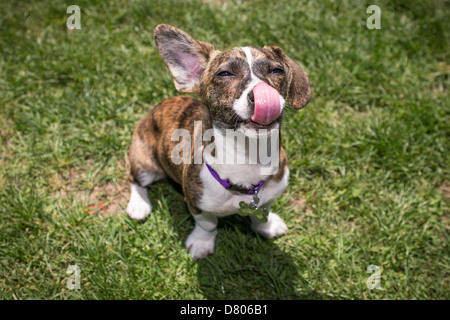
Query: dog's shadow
[(244, 265)]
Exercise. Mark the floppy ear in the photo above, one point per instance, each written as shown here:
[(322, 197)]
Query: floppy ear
[(185, 57), (298, 89)]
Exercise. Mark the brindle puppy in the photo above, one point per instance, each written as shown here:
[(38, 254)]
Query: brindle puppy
[(243, 90)]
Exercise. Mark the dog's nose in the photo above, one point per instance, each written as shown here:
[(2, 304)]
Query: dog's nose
[(251, 98)]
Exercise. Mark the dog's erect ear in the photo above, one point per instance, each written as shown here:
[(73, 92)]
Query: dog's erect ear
[(298, 89), (185, 57)]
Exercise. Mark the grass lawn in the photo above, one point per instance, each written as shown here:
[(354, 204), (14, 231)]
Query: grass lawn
[(369, 156)]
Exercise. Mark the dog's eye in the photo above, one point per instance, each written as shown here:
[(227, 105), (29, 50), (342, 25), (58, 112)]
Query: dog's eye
[(224, 74), (276, 71)]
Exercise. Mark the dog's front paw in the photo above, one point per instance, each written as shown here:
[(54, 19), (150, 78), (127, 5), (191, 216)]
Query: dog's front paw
[(200, 243), (139, 210), (139, 206), (274, 227)]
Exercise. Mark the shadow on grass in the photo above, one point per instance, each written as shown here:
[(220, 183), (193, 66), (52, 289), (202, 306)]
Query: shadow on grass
[(244, 265)]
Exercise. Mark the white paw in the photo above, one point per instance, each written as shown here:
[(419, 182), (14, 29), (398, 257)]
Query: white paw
[(273, 228), (200, 243), (139, 210), (139, 206)]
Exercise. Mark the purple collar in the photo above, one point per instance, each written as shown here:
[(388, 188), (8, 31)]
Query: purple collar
[(227, 185)]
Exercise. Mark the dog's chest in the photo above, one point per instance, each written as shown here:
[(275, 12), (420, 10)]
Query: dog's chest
[(219, 201)]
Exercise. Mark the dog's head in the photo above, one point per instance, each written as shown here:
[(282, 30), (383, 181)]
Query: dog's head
[(244, 88)]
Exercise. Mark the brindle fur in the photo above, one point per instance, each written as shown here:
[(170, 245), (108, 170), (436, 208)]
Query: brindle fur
[(151, 145)]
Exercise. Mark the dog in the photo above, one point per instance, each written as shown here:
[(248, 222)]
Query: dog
[(245, 91)]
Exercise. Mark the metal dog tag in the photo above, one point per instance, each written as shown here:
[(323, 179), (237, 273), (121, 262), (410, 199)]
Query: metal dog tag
[(252, 209)]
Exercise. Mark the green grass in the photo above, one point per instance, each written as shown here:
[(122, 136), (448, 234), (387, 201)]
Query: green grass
[(368, 156)]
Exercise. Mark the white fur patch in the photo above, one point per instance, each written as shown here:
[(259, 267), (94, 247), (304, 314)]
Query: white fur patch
[(200, 242), (145, 178), (273, 228), (249, 56), (240, 105), (282, 104), (139, 206), (221, 202)]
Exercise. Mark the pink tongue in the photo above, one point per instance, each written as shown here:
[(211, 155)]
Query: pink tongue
[(267, 103)]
